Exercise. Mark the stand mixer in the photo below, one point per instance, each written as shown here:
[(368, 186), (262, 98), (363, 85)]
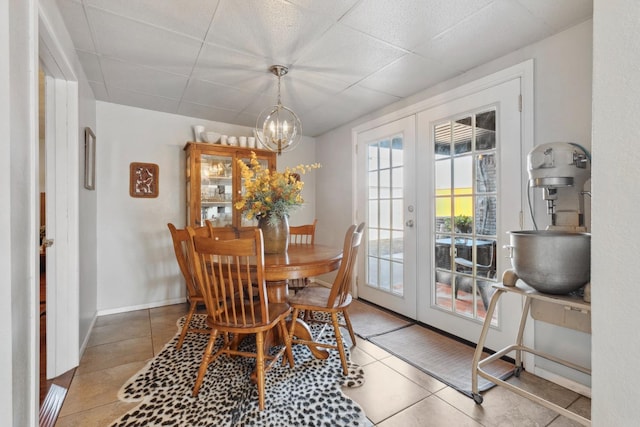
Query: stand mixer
[(561, 169), (556, 260)]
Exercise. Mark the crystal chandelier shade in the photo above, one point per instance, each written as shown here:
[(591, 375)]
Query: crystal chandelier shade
[(278, 128)]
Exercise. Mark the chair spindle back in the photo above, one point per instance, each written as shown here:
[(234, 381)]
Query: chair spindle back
[(231, 273), (303, 234), (342, 283)]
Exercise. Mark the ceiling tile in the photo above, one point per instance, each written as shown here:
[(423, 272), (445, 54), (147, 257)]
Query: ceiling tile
[(140, 100), (481, 37), (126, 75), (347, 55), (192, 17), (91, 66), (273, 29), (99, 91), (408, 23), (247, 119), (348, 105), (301, 91), (408, 75), (333, 8), (207, 113), (231, 68), (213, 95), (143, 44), (560, 15), (77, 25)]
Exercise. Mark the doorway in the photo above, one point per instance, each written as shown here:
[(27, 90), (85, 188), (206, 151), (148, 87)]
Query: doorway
[(462, 191), (61, 185)]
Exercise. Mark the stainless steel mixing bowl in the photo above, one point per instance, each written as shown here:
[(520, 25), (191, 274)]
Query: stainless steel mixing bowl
[(554, 262)]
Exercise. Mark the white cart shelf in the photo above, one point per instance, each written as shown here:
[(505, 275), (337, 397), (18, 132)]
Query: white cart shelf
[(570, 303)]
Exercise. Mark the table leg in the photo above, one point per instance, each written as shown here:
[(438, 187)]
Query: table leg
[(302, 331)]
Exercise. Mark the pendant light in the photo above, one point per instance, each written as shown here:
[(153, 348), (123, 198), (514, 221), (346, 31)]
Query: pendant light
[(278, 128)]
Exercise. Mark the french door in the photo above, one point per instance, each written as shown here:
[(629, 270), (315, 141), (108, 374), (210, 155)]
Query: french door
[(470, 149), (386, 202)]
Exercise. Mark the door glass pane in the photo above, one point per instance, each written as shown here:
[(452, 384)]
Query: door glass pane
[(373, 184), (396, 182), (397, 157), (462, 136), (465, 205), (384, 187), (398, 220), (385, 214), (486, 130), (442, 138), (385, 219), (485, 170)]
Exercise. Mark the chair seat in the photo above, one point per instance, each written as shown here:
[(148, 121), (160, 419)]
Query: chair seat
[(276, 311), (316, 297)]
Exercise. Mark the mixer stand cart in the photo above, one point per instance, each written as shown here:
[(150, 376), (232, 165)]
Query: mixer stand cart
[(571, 303)]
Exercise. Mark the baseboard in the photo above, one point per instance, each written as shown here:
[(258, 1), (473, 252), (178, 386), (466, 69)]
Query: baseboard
[(321, 283), (85, 341), (141, 306), (563, 381)]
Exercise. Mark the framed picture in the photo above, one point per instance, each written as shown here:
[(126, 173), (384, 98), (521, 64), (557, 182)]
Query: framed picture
[(89, 159), (143, 179)]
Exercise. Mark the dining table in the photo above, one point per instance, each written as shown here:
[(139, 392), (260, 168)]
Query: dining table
[(299, 261)]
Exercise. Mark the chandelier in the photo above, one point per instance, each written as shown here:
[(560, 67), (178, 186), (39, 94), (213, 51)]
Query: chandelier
[(278, 128)]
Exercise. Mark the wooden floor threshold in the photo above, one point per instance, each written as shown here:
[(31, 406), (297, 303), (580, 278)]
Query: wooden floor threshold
[(51, 405)]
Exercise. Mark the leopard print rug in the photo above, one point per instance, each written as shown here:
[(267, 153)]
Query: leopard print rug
[(307, 395)]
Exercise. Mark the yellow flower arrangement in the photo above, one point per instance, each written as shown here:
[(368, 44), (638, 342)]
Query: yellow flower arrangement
[(269, 193)]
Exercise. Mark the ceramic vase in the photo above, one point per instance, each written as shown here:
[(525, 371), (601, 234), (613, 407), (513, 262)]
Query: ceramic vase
[(275, 236)]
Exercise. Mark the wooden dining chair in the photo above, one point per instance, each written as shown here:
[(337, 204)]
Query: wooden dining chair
[(231, 273), (301, 235), (180, 239), (332, 300)]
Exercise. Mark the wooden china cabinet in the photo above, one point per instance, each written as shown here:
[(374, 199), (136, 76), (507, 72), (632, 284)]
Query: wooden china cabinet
[(214, 182)]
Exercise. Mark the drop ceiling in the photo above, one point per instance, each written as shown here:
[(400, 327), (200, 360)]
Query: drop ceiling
[(209, 59)]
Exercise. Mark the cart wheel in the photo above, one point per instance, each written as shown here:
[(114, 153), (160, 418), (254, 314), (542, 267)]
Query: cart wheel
[(517, 371), (477, 398)]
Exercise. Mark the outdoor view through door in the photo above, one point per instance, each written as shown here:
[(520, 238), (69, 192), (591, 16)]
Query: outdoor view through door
[(385, 218), (465, 206)]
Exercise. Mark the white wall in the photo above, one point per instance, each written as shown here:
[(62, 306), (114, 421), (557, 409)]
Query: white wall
[(616, 236), (18, 185), (562, 92), (137, 266)]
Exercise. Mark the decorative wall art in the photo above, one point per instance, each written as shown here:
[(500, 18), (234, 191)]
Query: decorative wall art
[(143, 179), (89, 159)]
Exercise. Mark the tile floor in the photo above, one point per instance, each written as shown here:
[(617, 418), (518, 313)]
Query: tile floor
[(394, 394)]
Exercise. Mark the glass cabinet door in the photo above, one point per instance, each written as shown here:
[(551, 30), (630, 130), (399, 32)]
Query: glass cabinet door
[(216, 189)]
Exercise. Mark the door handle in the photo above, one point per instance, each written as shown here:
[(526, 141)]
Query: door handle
[(409, 223), (47, 243)]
